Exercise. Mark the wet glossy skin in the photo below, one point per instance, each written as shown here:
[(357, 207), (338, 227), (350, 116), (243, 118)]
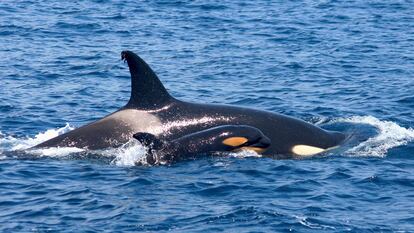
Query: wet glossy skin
[(152, 110), (284, 132), (224, 138)]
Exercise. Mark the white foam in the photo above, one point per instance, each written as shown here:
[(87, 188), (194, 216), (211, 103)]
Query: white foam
[(12, 143), (245, 154), (1, 140), (390, 135), (319, 120), (134, 152), (305, 222), (128, 154), (56, 151)]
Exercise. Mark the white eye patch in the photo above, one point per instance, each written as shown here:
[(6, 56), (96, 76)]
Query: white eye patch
[(305, 150)]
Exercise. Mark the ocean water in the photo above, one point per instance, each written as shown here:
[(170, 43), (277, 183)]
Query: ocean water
[(343, 65)]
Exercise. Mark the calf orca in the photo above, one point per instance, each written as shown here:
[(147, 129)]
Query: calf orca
[(217, 139), (152, 110)]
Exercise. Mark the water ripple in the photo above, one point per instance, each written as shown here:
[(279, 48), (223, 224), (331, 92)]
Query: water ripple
[(344, 65)]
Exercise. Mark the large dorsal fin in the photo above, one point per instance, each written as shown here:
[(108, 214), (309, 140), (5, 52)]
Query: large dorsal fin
[(147, 91)]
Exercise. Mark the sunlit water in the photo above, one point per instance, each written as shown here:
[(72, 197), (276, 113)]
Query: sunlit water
[(346, 66)]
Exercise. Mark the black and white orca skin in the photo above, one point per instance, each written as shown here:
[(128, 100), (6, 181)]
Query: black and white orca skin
[(223, 138), (152, 110)]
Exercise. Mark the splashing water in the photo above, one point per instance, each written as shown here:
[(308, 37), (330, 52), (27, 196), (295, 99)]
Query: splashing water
[(390, 135), (12, 143), (244, 154), (300, 58), (55, 151), (129, 154), (9, 143)]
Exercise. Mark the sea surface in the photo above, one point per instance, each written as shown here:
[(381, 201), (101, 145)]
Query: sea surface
[(343, 65)]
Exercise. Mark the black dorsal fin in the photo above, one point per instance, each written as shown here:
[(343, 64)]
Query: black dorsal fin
[(149, 140), (147, 91)]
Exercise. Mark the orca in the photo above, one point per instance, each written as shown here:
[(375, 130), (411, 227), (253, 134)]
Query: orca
[(153, 111), (225, 138)]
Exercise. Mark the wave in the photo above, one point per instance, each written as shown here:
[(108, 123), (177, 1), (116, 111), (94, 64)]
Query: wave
[(128, 154), (244, 154), (12, 144), (390, 135)]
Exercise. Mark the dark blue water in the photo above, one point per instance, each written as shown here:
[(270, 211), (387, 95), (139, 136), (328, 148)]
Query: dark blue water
[(345, 65)]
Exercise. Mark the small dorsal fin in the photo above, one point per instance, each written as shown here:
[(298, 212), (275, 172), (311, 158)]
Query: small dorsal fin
[(149, 140), (147, 91), (152, 143)]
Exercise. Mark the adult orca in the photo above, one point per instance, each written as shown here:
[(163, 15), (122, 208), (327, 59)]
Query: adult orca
[(151, 109)]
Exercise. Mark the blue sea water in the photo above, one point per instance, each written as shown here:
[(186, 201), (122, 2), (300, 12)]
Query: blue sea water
[(343, 65)]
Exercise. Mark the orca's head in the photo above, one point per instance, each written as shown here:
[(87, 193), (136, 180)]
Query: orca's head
[(248, 138)]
